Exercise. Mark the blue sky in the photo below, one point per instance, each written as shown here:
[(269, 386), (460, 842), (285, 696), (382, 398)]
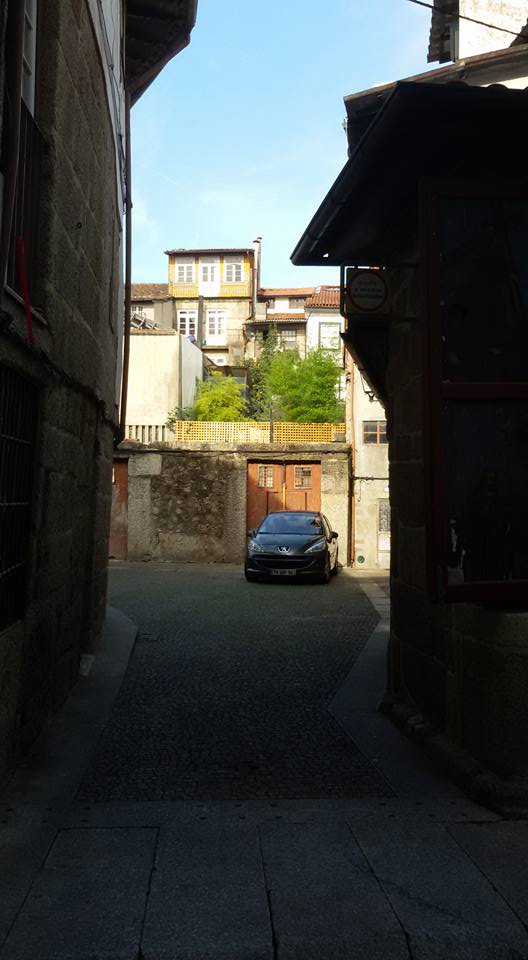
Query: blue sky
[(241, 135)]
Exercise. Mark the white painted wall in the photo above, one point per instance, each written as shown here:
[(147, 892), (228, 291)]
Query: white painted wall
[(474, 38), (370, 460), (153, 386), (192, 370)]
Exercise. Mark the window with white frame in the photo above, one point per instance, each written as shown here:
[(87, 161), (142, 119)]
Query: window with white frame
[(296, 303), (288, 339), (208, 269), (233, 270), (184, 270), (187, 322), (216, 326), (329, 336)]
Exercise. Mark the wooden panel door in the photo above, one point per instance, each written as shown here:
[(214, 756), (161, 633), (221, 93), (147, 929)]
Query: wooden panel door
[(281, 486), (118, 545), (303, 486), (264, 491)]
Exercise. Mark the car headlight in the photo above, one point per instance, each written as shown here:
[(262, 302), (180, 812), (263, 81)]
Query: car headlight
[(316, 547), (254, 547)]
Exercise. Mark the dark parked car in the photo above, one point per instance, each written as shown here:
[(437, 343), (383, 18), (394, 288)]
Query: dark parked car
[(298, 544)]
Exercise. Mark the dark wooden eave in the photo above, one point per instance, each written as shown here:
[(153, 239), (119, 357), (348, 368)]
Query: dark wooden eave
[(370, 215), (156, 30)]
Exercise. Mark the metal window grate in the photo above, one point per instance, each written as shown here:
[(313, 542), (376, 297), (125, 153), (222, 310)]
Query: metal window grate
[(265, 476), (384, 516), (303, 478), (18, 414)]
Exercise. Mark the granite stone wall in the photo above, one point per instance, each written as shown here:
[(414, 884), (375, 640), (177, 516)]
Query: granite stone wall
[(462, 666), (73, 365)]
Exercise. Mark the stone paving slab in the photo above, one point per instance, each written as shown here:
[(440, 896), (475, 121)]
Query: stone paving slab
[(325, 901), (88, 900), (208, 896), (446, 905), (501, 852), (23, 849)]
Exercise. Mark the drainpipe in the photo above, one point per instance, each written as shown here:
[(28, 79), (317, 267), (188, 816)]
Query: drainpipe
[(128, 270), (351, 438), (14, 90)]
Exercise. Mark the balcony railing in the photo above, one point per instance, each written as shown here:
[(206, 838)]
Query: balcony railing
[(27, 204)]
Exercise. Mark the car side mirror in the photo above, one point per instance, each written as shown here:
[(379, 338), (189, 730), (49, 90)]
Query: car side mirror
[(251, 533), (334, 535)]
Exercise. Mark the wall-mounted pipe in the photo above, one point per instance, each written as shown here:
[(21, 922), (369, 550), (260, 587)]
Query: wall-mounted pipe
[(128, 271)]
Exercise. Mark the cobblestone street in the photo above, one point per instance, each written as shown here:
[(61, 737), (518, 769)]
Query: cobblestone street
[(228, 689)]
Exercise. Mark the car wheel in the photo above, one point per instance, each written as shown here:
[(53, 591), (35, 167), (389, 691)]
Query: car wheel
[(335, 568), (327, 573)]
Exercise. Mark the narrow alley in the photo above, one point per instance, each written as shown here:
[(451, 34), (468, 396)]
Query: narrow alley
[(222, 786)]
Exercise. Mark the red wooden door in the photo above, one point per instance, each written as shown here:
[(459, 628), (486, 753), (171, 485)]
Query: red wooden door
[(118, 546), (282, 486)]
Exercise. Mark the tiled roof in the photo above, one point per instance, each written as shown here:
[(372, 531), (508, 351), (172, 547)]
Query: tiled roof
[(206, 251), (280, 318), (324, 297), (523, 36), (150, 291), (266, 293), (443, 17)]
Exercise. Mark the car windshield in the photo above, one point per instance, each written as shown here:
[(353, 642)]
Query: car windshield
[(307, 524)]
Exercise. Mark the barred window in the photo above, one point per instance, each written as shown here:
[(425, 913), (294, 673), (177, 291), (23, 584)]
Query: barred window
[(18, 416), (303, 478), (265, 475), (384, 516)]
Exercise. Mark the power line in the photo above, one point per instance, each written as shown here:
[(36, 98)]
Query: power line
[(460, 16)]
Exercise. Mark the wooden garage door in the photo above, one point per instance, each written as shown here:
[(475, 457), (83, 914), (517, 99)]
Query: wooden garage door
[(282, 486)]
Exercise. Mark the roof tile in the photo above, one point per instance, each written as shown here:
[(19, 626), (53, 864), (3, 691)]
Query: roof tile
[(324, 297), (150, 291)]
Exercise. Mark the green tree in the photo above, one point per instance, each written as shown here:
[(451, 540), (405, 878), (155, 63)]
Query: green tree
[(305, 390), (258, 394), (220, 399)]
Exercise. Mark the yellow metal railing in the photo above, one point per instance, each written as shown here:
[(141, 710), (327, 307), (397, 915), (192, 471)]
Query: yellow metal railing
[(245, 432)]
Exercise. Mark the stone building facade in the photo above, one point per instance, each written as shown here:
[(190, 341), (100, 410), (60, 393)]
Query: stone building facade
[(447, 235), (62, 127)]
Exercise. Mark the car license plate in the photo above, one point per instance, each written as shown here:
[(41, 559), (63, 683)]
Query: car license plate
[(284, 573)]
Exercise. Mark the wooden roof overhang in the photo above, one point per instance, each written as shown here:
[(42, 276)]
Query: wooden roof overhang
[(370, 214), (156, 30), (370, 217)]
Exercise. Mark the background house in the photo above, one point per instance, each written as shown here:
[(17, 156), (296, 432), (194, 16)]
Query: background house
[(213, 295), (66, 71), (365, 430), (282, 308)]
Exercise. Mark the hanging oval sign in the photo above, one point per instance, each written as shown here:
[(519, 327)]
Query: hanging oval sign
[(367, 290)]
